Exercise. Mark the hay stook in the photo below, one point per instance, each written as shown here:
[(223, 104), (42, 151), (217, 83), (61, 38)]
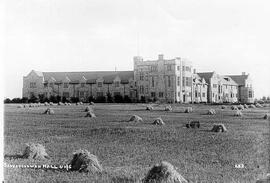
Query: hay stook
[(164, 173), (84, 161)]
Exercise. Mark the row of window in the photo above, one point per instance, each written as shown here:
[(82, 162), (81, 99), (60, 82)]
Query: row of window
[(66, 85), (83, 94), (170, 67), (232, 95), (226, 86)]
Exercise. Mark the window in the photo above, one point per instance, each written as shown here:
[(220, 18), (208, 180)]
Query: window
[(183, 68), (66, 94), (141, 76), (117, 84), (99, 84), (160, 94), (33, 85), (32, 94), (219, 89), (65, 85), (169, 67), (116, 94), (153, 68), (188, 81), (146, 90), (153, 82), (178, 94), (82, 85), (203, 94), (153, 94), (146, 78), (231, 95), (214, 86), (203, 85), (196, 94), (178, 81), (169, 81), (178, 68), (100, 94), (213, 95), (183, 81), (226, 86), (188, 68), (81, 94), (250, 94), (51, 85), (45, 85), (141, 89)]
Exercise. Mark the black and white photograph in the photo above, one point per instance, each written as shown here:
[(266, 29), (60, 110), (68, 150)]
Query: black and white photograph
[(135, 91)]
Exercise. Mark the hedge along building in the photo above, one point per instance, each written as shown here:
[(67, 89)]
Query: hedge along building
[(79, 84), (167, 80)]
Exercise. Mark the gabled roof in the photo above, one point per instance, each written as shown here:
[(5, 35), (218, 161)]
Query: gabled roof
[(228, 80), (90, 77), (239, 79), (206, 75)]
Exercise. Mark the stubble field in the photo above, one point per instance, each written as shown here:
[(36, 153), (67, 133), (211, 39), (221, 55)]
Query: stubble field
[(127, 150)]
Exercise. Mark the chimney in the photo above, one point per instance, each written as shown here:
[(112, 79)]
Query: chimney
[(160, 57), (243, 73)]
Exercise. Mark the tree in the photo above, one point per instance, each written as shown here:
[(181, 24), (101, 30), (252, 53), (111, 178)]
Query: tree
[(109, 98), (52, 99), (101, 99), (33, 99), (58, 98), (127, 99), (118, 98), (74, 99), (16, 100), (41, 97), (91, 99), (7, 101)]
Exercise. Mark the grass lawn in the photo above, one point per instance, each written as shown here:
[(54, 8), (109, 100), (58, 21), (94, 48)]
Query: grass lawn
[(127, 150)]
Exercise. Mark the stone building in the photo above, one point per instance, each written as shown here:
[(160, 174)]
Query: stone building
[(220, 89), (165, 80), (79, 84), (199, 90), (245, 90)]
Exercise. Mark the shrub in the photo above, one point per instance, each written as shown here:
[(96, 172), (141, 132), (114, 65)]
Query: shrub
[(118, 98), (74, 99), (101, 99), (7, 101), (109, 98), (91, 99), (127, 99)]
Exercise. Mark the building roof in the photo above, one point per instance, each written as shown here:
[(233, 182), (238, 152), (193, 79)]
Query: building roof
[(228, 80), (198, 79), (239, 79), (91, 77), (206, 75)]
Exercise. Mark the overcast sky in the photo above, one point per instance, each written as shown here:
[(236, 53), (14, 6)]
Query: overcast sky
[(226, 36)]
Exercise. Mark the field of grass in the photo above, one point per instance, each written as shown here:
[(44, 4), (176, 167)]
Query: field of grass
[(127, 150)]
